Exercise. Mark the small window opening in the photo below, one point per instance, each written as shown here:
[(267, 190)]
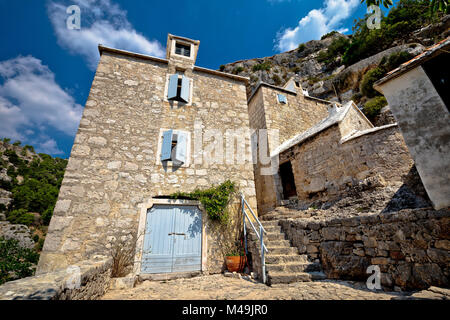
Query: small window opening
[(174, 147), (182, 49)]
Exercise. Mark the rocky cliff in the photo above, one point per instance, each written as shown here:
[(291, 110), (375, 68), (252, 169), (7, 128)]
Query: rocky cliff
[(318, 64)]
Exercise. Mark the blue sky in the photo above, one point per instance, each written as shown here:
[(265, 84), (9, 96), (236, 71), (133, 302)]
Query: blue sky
[(46, 70)]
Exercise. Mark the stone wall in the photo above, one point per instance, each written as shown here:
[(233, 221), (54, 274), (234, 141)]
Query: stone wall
[(93, 277), (325, 165), (114, 166), (411, 247)]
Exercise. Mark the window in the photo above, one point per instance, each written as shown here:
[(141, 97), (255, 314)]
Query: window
[(183, 49), (174, 146), (282, 98), (440, 80), (179, 88)]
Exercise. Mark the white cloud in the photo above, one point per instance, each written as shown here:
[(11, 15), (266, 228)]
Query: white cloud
[(48, 146), (102, 22), (31, 102), (317, 23)]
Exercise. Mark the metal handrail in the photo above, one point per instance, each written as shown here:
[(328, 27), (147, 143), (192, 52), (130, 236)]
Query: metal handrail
[(259, 234)]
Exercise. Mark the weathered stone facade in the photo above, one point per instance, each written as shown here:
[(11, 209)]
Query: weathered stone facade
[(115, 169), (325, 165), (266, 112)]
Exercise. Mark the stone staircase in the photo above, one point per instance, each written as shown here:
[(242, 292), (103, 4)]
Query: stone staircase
[(283, 262)]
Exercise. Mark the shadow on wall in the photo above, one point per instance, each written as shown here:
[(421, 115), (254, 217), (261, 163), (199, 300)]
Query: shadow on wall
[(411, 194)]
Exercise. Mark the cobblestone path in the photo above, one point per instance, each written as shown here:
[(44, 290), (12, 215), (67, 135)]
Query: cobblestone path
[(219, 287)]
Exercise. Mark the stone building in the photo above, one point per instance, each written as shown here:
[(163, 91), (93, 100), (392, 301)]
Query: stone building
[(341, 151), (283, 112), (418, 95), (150, 128)]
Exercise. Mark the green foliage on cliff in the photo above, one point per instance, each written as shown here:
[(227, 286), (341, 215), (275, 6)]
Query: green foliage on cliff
[(262, 66), (15, 262), (35, 183), (373, 107), (215, 200), (407, 16)]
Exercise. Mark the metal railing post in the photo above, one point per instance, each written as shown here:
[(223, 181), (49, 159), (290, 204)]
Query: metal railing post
[(245, 227), (260, 235), (263, 261)]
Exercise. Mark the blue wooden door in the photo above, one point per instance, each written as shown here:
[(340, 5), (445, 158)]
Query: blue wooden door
[(172, 241), (187, 245)]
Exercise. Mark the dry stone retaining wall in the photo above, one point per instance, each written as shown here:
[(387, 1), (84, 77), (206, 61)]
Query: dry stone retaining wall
[(411, 247), (94, 276)]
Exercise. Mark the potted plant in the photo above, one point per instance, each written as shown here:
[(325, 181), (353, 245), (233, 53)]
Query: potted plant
[(236, 259)]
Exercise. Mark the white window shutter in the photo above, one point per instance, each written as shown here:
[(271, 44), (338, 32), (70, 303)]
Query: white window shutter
[(166, 147), (173, 86), (185, 84), (181, 148)]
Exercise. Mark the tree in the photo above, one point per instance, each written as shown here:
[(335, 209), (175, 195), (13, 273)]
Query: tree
[(435, 5), (386, 3)]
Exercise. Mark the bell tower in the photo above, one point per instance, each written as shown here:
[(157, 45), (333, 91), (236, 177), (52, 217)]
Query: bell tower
[(181, 52)]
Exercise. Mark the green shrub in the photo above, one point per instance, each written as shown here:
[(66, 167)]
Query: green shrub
[(373, 107), (322, 56), (407, 16), (20, 216), (371, 76), (237, 70), (395, 60), (28, 147), (329, 34), (15, 262), (222, 67), (301, 47), (276, 79), (39, 245), (357, 97), (262, 66), (336, 48), (47, 215), (215, 200)]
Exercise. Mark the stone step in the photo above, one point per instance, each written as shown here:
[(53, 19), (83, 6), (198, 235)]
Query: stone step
[(285, 277), (293, 267), (278, 243), (268, 223), (282, 250), (272, 229), (282, 258), (274, 236)]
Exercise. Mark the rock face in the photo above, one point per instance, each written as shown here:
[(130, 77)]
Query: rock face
[(18, 232), (329, 81)]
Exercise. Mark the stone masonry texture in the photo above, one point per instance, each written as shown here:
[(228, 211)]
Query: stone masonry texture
[(410, 246), (113, 167), (322, 167)]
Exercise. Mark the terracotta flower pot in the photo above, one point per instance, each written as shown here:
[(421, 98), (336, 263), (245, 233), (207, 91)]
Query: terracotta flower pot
[(235, 263)]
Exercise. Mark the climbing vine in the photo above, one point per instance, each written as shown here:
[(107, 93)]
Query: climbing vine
[(215, 200)]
